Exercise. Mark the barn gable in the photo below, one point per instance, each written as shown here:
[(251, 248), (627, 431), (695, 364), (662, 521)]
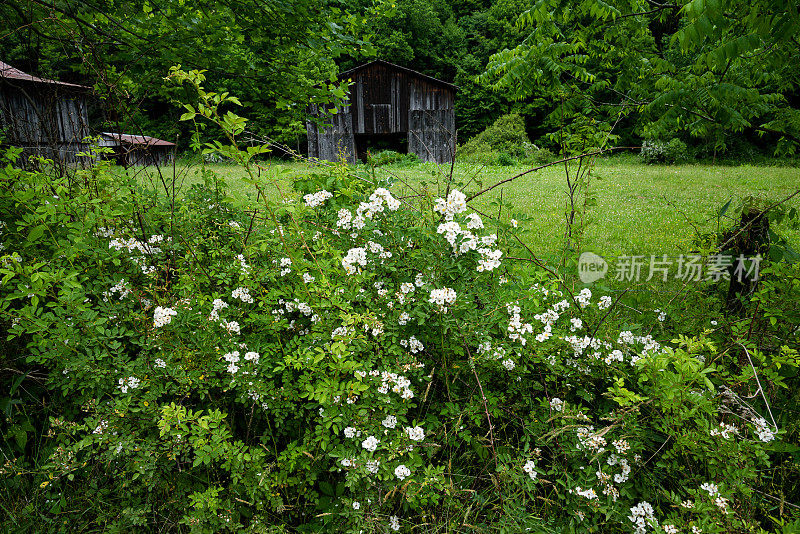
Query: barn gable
[(390, 104)]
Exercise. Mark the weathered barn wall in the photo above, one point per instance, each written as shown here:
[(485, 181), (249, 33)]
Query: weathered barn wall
[(388, 99), (334, 142), (43, 117)]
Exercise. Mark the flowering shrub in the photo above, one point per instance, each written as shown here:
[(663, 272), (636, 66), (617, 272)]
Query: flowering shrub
[(349, 362)]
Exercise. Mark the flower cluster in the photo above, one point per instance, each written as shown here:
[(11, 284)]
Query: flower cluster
[(724, 430), (243, 294), (456, 202), (121, 287), (765, 433), (442, 298), (355, 256), (530, 468), (163, 316), (125, 383), (317, 199), (516, 328), (413, 344), (641, 516)]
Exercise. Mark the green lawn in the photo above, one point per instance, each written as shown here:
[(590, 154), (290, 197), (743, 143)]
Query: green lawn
[(640, 209)]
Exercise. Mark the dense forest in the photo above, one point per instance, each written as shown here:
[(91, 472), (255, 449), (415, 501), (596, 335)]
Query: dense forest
[(719, 75)]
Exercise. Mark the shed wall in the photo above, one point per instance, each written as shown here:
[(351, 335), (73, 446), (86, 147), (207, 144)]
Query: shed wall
[(44, 120), (387, 100)]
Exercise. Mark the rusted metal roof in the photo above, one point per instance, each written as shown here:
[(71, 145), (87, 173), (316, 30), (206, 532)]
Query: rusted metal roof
[(349, 73), (130, 139), (9, 72)]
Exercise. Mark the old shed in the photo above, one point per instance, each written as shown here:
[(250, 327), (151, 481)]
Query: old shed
[(132, 150), (389, 107), (43, 117)]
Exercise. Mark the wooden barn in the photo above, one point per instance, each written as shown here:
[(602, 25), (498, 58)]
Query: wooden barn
[(43, 117), (132, 150), (389, 107)]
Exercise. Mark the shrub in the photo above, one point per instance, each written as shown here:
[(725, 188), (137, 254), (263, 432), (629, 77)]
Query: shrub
[(504, 159), (349, 362), (507, 134), (674, 151)]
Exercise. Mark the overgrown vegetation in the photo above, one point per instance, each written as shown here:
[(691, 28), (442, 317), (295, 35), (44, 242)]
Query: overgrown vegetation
[(361, 362)]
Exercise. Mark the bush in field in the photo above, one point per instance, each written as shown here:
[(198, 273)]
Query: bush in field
[(674, 151), (346, 362), (507, 134)]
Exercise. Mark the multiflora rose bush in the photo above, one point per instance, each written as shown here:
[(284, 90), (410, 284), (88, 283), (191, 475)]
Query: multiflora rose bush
[(354, 361)]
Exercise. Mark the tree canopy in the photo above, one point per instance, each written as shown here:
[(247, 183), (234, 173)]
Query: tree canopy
[(712, 72)]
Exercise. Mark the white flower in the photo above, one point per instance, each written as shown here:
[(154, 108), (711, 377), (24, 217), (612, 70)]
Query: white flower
[(414, 345), (231, 326), (307, 278), (371, 443), (490, 259), (442, 298), (605, 302), (243, 264), (456, 203), (356, 505), (530, 468), (403, 319), (724, 430), (765, 433), (556, 404), (160, 363), (402, 472), (355, 256), (640, 515), (163, 316), (372, 466), (415, 434), (243, 294), (712, 489), (390, 421), (509, 364), (474, 221), (317, 199), (394, 523), (131, 382), (234, 224), (349, 432)]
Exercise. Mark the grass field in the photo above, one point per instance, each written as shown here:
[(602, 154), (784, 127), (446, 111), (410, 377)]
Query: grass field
[(640, 209)]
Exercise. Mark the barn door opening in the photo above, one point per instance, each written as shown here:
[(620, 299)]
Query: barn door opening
[(374, 143)]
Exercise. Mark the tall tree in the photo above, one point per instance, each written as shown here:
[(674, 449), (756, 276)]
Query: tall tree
[(706, 68)]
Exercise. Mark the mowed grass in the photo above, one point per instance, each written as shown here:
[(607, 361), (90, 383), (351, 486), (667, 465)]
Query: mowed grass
[(641, 209)]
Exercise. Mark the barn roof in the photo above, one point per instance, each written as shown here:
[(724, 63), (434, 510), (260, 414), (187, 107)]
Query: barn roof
[(9, 72), (431, 79), (129, 139)]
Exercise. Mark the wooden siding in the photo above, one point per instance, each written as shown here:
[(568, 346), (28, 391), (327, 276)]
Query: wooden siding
[(431, 135), (44, 119), (385, 99)]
